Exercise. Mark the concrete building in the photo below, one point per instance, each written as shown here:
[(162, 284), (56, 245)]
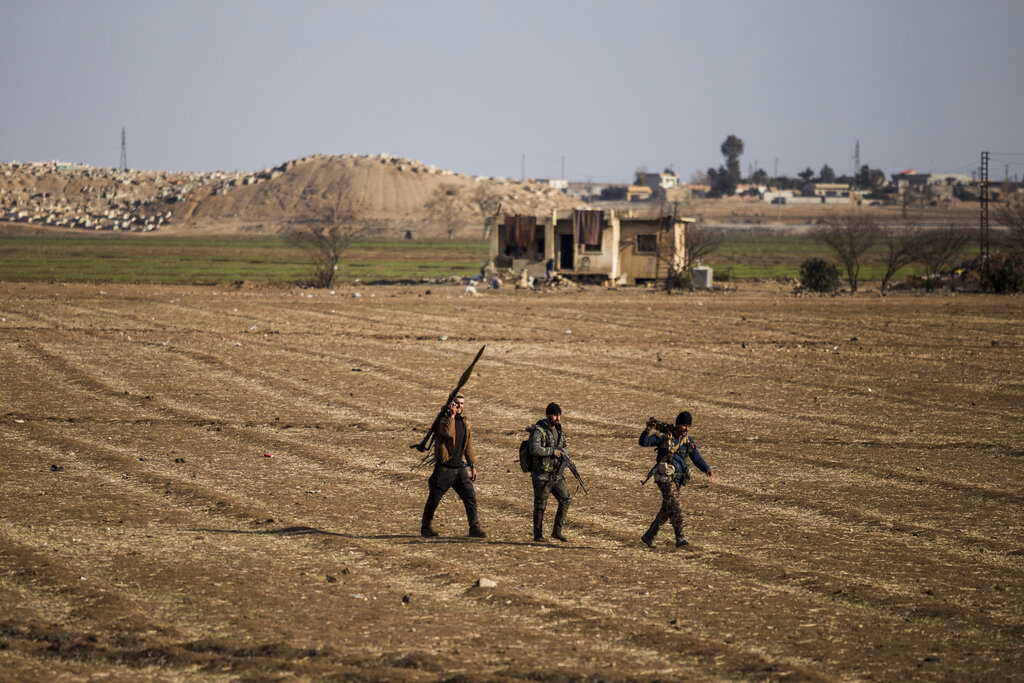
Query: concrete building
[(658, 181), (622, 247), (834, 190)]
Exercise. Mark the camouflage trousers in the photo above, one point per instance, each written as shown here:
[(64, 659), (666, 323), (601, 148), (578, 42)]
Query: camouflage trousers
[(670, 509), (542, 488)]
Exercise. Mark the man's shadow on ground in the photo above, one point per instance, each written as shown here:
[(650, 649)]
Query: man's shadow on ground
[(407, 538)]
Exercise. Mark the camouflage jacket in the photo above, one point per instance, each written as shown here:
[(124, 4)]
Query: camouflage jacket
[(543, 442)]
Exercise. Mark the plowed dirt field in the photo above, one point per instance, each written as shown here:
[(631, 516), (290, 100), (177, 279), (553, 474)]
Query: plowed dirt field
[(866, 521)]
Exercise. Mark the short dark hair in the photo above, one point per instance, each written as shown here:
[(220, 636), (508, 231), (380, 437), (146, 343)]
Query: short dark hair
[(553, 409), (684, 418)]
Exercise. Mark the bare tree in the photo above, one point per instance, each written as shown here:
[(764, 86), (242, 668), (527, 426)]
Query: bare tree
[(486, 202), (900, 244), (699, 241), (444, 208), (937, 251), (1011, 215), (327, 229), (851, 237)]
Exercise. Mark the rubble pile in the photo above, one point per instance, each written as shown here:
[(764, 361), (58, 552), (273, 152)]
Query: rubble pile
[(78, 196), (391, 190)]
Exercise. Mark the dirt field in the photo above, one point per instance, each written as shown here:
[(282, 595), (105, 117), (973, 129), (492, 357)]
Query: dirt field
[(866, 521)]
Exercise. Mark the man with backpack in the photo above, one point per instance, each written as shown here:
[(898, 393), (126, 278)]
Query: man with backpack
[(671, 470), (547, 445), (453, 455)]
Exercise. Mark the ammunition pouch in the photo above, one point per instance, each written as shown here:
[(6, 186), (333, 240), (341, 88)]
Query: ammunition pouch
[(664, 472)]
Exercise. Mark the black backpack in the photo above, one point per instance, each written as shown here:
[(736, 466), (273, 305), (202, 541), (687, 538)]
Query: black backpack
[(525, 459)]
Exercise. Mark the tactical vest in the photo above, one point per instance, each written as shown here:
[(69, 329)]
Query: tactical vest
[(546, 465), (676, 458)]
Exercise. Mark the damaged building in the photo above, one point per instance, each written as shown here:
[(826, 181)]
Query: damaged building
[(618, 247)]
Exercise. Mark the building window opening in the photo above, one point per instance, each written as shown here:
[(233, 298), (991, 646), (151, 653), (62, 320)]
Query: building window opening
[(646, 244)]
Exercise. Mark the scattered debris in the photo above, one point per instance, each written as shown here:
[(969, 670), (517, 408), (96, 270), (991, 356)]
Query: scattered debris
[(483, 582)]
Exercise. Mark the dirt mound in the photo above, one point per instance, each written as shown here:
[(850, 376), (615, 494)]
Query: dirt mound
[(391, 191)]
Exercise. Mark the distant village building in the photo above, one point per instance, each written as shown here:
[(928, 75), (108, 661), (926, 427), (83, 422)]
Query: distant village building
[(829, 193), (658, 181), (909, 179), (635, 193), (556, 183), (619, 247), (776, 196), (825, 190)]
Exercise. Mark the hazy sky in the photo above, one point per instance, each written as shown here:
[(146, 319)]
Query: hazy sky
[(472, 86)]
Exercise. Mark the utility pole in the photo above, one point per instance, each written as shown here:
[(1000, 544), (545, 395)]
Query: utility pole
[(124, 152), (983, 173), (856, 163)]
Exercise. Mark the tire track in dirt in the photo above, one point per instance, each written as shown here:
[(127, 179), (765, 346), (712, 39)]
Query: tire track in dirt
[(109, 465), (593, 378), (860, 596), (209, 359), (200, 494), (194, 416)]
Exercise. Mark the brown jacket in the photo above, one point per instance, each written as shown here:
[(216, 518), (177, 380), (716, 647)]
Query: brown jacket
[(444, 440)]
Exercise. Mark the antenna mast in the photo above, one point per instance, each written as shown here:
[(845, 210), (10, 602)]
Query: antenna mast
[(124, 152), (856, 163)]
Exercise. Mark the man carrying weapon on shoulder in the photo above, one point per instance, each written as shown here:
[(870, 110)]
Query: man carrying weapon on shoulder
[(453, 455), (451, 440), (550, 459), (671, 470)]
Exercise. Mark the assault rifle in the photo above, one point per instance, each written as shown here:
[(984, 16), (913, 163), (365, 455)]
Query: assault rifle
[(428, 440), (651, 473), (566, 461), (664, 428)]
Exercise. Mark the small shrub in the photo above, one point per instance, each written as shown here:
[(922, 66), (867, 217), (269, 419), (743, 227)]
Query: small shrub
[(1006, 276), (818, 275)]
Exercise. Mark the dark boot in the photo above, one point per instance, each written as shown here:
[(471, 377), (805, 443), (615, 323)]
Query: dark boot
[(556, 532), (426, 528), (681, 541), (476, 532), (648, 537), (538, 525)]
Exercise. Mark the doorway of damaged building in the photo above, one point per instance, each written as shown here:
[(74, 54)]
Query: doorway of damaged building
[(566, 252)]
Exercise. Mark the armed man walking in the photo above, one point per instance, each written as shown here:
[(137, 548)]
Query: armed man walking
[(671, 470), (453, 455), (547, 448)]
